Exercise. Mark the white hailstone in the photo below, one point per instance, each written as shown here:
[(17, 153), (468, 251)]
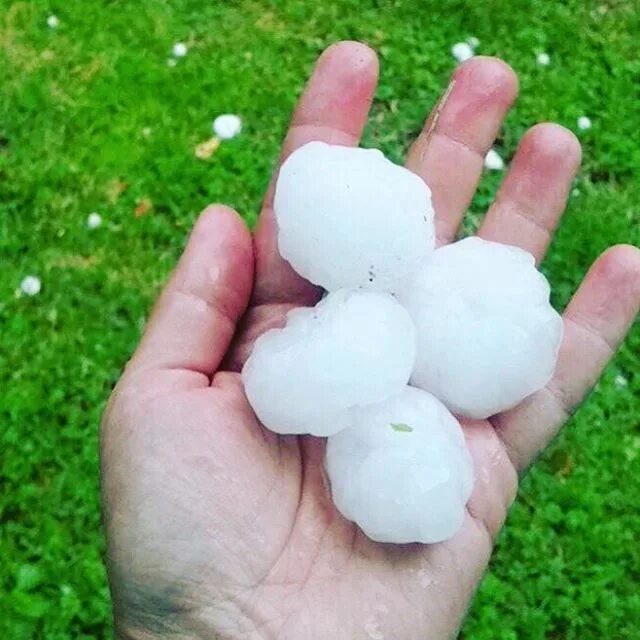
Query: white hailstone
[(353, 348), (180, 50), (53, 22), (620, 381), (227, 126), (543, 59), (94, 220), (493, 161), (31, 285), (349, 217), (402, 471), (473, 42), (584, 123), (487, 334), (171, 62), (462, 51)]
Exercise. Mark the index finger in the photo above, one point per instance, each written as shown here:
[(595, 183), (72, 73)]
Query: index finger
[(334, 109)]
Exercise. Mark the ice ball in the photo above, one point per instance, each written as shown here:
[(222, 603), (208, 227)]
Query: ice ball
[(462, 51), (350, 218), (493, 161), (31, 285), (227, 126), (353, 348), (487, 334), (584, 123), (94, 220), (180, 49), (543, 59), (402, 471)]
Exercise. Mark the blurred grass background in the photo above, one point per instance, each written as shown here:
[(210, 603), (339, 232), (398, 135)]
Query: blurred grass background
[(92, 118)]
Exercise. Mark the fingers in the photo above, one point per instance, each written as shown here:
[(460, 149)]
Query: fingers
[(534, 192), (195, 318), (333, 109), (449, 153), (595, 322)]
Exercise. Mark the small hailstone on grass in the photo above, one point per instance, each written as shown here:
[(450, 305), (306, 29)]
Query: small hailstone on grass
[(543, 59), (473, 42), (180, 50), (146, 132), (53, 22), (487, 334), (94, 220), (584, 123), (349, 217), (402, 470), (171, 62), (493, 161), (462, 51), (620, 381), (227, 125), (353, 348), (31, 285)]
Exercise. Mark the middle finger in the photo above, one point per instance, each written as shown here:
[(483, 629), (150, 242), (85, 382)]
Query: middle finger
[(449, 152)]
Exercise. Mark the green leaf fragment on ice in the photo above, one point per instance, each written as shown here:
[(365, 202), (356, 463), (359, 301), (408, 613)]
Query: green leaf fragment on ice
[(402, 427)]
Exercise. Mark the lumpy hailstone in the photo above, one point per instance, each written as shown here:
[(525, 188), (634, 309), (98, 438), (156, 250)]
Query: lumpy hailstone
[(402, 471), (353, 348), (487, 335), (350, 218)]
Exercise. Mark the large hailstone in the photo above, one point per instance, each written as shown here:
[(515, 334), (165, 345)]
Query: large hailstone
[(348, 217), (353, 348), (402, 471), (487, 334)]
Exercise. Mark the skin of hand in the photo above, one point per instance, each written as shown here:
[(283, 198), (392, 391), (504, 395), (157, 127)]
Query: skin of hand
[(218, 528)]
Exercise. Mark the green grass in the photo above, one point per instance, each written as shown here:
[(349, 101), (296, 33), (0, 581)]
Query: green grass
[(73, 105)]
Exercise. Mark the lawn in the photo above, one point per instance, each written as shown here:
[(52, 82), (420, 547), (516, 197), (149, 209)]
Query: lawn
[(92, 118)]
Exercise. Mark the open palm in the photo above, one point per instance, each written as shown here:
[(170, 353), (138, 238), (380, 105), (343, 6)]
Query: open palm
[(218, 528)]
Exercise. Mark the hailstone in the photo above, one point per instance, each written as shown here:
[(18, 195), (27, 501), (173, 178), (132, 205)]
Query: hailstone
[(31, 285), (493, 161), (402, 470), (94, 220), (462, 51), (227, 126), (351, 218), (353, 348), (487, 334), (543, 59), (180, 49), (584, 123)]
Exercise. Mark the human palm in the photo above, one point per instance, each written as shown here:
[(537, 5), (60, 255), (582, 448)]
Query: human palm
[(218, 528)]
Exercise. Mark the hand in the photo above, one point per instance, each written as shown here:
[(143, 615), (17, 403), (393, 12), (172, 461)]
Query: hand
[(218, 528)]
